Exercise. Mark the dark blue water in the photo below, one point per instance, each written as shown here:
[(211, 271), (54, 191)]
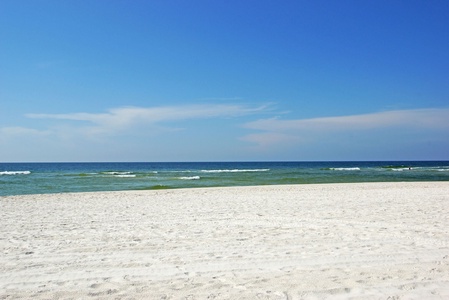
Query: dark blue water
[(41, 178)]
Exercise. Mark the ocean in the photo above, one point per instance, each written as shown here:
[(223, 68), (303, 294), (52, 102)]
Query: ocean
[(44, 178)]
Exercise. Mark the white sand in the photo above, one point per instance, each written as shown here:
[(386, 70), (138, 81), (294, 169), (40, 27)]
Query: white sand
[(336, 241)]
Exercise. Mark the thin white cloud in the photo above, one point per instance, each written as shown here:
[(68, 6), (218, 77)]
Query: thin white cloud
[(427, 118), (316, 138), (21, 131), (275, 130), (123, 118), (270, 138)]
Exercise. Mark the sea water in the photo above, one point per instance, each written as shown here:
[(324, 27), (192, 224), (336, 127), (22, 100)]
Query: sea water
[(42, 178)]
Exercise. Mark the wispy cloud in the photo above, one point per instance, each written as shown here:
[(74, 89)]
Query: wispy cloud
[(119, 119), (275, 130), (118, 130), (22, 131)]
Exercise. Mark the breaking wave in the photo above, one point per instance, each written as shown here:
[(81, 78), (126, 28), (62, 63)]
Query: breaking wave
[(190, 178), (116, 173), (235, 170), (345, 169), (15, 173)]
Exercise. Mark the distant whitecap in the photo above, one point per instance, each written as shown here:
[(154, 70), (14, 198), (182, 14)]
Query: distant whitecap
[(235, 170), (15, 173), (190, 178)]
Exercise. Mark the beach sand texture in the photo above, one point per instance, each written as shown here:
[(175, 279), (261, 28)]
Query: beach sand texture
[(326, 241)]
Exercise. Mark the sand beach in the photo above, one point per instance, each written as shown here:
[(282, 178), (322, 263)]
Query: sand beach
[(317, 241)]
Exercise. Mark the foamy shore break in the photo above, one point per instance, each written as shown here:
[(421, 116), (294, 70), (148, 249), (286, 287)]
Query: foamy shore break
[(360, 241)]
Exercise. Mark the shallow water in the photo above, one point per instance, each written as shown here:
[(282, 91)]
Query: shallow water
[(41, 178)]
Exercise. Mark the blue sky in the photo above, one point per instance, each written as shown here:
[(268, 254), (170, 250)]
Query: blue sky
[(224, 80)]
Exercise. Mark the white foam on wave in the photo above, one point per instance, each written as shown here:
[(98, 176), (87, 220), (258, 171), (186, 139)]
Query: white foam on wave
[(190, 178), (235, 170), (15, 172), (117, 173), (125, 175), (346, 169), (433, 169)]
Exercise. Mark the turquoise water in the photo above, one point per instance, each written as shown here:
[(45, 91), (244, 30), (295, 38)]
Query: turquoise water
[(42, 178)]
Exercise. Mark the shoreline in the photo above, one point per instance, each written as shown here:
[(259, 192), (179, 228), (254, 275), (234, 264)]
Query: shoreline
[(225, 187), (361, 240), (46, 178)]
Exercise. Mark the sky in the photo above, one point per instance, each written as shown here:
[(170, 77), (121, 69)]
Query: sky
[(197, 80)]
